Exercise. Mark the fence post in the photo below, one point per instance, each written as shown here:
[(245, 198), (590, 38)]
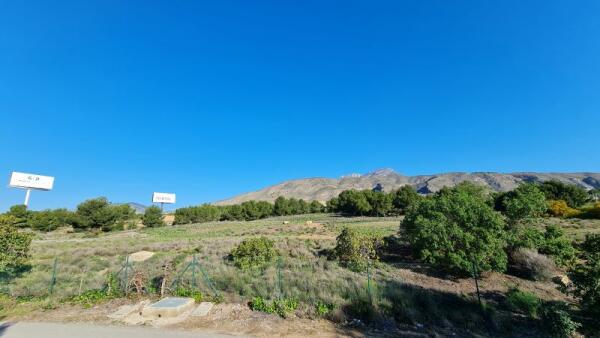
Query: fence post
[(369, 281), (279, 277), (53, 280), (194, 263)]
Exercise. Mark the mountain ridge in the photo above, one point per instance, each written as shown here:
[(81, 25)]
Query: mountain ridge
[(323, 188)]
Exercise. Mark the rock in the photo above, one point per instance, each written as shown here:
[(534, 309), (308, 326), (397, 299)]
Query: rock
[(308, 222), (561, 280), (202, 309), (286, 222), (140, 256)]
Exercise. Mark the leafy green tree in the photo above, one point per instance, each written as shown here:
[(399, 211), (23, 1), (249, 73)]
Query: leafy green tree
[(574, 195), (333, 205), (404, 198), (380, 202), (594, 194), (153, 217), (526, 201), (557, 246), (316, 207), (15, 245), (353, 202), (282, 207), (21, 215), (49, 220), (95, 214), (232, 213), (456, 228)]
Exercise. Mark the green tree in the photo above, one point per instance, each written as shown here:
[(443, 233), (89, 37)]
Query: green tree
[(15, 245), (525, 202), (21, 215), (153, 217), (574, 195), (353, 202), (594, 194), (95, 214), (557, 246), (282, 207), (254, 253), (404, 198), (49, 220), (316, 207), (456, 228), (380, 202)]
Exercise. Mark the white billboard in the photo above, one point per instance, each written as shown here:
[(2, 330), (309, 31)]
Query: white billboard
[(31, 181), (163, 197)]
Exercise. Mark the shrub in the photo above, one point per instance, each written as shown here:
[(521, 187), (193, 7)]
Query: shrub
[(21, 215), (557, 246), (455, 228), (523, 302), (354, 250), (530, 264), (254, 253), (282, 307), (559, 208), (322, 308), (186, 292), (15, 247), (525, 237), (556, 320), (153, 217), (404, 198)]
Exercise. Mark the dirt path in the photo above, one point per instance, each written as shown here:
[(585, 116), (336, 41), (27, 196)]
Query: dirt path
[(57, 330)]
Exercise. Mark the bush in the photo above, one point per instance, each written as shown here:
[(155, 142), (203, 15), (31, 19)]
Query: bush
[(153, 217), (524, 236), (559, 208), (15, 246), (523, 302), (186, 292), (282, 307), (532, 265), (404, 198), (455, 228), (254, 253), (557, 246), (21, 215), (556, 320), (322, 308), (354, 250)]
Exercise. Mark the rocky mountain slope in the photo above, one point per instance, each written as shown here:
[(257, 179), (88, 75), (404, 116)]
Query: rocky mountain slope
[(323, 189)]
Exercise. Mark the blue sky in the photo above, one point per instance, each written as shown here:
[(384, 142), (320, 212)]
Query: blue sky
[(212, 99)]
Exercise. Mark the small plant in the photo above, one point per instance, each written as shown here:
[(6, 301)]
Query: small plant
[(186, 292), (523, 302), (91, 298), (282, 307), (556, 320), (254, 253), (322, 308)]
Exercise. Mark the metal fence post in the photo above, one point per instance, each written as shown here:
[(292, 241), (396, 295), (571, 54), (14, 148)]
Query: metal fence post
[(53, 280)]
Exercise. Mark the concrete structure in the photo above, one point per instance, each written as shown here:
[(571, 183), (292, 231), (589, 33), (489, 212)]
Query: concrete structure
[(168, 308)]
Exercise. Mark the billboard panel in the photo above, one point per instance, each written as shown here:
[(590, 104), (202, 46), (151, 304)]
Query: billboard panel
[(163, 197), (31, 181)]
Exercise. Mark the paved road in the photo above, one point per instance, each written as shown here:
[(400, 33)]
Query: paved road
[(57, 330)]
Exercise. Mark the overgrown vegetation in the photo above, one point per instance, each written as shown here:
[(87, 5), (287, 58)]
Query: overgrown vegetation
[(282, 307), (523, 302), (153, 217), (14, 245)]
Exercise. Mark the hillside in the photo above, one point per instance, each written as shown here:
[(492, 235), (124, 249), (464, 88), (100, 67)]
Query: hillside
[(322, 189)]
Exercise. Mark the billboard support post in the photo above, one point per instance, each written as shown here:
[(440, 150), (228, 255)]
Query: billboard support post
[(161, 206), (27, 194)]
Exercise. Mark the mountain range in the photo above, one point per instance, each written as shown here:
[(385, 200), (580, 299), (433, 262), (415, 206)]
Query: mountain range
[(323, 189)]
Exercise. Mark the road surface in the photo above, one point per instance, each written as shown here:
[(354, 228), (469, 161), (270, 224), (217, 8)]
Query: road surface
[(59, 330)]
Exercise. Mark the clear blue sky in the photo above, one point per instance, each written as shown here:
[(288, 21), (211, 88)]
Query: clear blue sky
[(209, 99)]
